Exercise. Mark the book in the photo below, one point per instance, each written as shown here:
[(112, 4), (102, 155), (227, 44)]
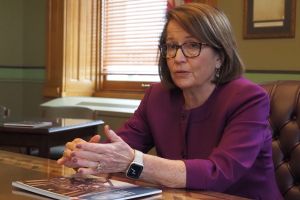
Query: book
[(28, 124), (84, 188)]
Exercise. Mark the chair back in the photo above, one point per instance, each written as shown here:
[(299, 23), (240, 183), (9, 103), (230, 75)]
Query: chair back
[(285, 123)]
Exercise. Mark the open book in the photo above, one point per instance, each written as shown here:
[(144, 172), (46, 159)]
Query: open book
[(85, 188)]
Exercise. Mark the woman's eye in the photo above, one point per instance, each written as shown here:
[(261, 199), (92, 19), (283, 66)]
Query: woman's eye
[(171, 46), (193, 45)]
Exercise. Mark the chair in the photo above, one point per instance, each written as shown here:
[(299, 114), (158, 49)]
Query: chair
[(285, 122)]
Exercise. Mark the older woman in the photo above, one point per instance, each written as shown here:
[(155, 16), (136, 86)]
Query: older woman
[(209, 124)]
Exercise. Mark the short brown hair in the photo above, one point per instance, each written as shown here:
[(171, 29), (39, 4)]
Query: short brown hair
[(208, 25)]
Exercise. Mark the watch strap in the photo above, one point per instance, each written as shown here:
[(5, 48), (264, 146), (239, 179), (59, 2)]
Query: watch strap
[(135, 168), (138, 157)]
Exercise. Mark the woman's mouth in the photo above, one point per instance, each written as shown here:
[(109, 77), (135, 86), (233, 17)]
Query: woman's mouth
[(181, 72)]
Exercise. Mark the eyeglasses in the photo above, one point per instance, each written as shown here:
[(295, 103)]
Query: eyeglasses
[(189, 49)]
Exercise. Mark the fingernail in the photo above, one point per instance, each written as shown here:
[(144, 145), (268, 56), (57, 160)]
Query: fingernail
[(78, 146)]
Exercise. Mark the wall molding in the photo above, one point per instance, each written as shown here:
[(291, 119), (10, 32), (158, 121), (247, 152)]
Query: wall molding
[(257, 71), (21, 67), (22, 73)]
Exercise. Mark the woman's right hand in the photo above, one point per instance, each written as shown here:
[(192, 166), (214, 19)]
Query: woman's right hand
[(71, 146)]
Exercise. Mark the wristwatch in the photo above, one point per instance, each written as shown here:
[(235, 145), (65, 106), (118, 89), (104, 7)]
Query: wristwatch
[(136, 167)]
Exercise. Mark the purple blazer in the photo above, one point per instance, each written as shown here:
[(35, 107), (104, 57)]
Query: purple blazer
[(225, 143)]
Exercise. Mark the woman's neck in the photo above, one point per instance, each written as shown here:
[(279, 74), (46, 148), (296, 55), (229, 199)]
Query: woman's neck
[(197, 96)]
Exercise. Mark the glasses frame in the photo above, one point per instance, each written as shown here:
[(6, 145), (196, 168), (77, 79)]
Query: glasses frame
[(164, 52)]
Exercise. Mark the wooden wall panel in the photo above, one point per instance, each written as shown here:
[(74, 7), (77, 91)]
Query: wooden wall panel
[(75, 61), (55, 48)]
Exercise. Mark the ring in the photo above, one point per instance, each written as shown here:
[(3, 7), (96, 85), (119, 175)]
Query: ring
[(99, 167)]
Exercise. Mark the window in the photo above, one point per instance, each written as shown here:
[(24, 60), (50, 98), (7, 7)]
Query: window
[(76, 65), (130, 35)]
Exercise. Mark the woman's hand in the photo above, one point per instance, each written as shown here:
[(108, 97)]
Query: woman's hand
[(104, 158), (70, 147), (93, 158)]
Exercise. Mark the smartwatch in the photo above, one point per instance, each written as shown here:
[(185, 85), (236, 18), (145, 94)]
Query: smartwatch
[(136, 167)]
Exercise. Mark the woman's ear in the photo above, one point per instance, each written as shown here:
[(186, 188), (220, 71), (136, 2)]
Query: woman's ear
[(220, 60), (218, 63)]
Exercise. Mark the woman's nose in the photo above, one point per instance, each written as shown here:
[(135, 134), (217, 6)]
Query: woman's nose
[(179, 57)]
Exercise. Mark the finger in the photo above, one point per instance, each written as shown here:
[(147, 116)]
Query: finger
[(67, 153), (71, 145), (84, 163), (77, 140), (61, 160), (71, 164), (67, 163), (95, 139), (65, 157), (97, 148), (87, 155), (111, 135), (87, 171)]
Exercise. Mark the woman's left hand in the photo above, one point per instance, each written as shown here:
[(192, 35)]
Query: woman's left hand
[(94, 158)]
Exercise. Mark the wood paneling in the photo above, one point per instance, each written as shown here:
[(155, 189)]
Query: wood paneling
[(72, 47)]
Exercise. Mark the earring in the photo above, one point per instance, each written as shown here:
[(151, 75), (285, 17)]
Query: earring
[(218, 69)]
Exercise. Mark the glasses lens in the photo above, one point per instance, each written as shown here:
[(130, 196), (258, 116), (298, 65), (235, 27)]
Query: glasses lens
[(171, 50), (191, 49)]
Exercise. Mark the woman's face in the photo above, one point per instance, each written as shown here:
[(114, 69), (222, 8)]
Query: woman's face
[(190, 73)]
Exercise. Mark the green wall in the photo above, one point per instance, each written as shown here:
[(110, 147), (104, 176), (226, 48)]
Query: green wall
[(34, 32), (11, 32), (22, 34), (22, 55), (278, 54)]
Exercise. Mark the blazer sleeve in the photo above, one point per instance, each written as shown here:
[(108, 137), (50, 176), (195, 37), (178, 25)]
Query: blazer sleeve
[(246, 137), (136, 131)]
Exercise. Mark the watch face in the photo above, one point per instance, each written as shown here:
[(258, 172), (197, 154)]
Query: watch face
[(134, 171)]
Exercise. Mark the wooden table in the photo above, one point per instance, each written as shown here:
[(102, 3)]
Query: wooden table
[(14, 166), (61, 131)]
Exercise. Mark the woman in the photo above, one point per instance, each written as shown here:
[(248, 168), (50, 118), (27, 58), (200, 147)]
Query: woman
[(209, 124)]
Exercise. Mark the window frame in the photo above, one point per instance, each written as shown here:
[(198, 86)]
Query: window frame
[(127, 89)]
